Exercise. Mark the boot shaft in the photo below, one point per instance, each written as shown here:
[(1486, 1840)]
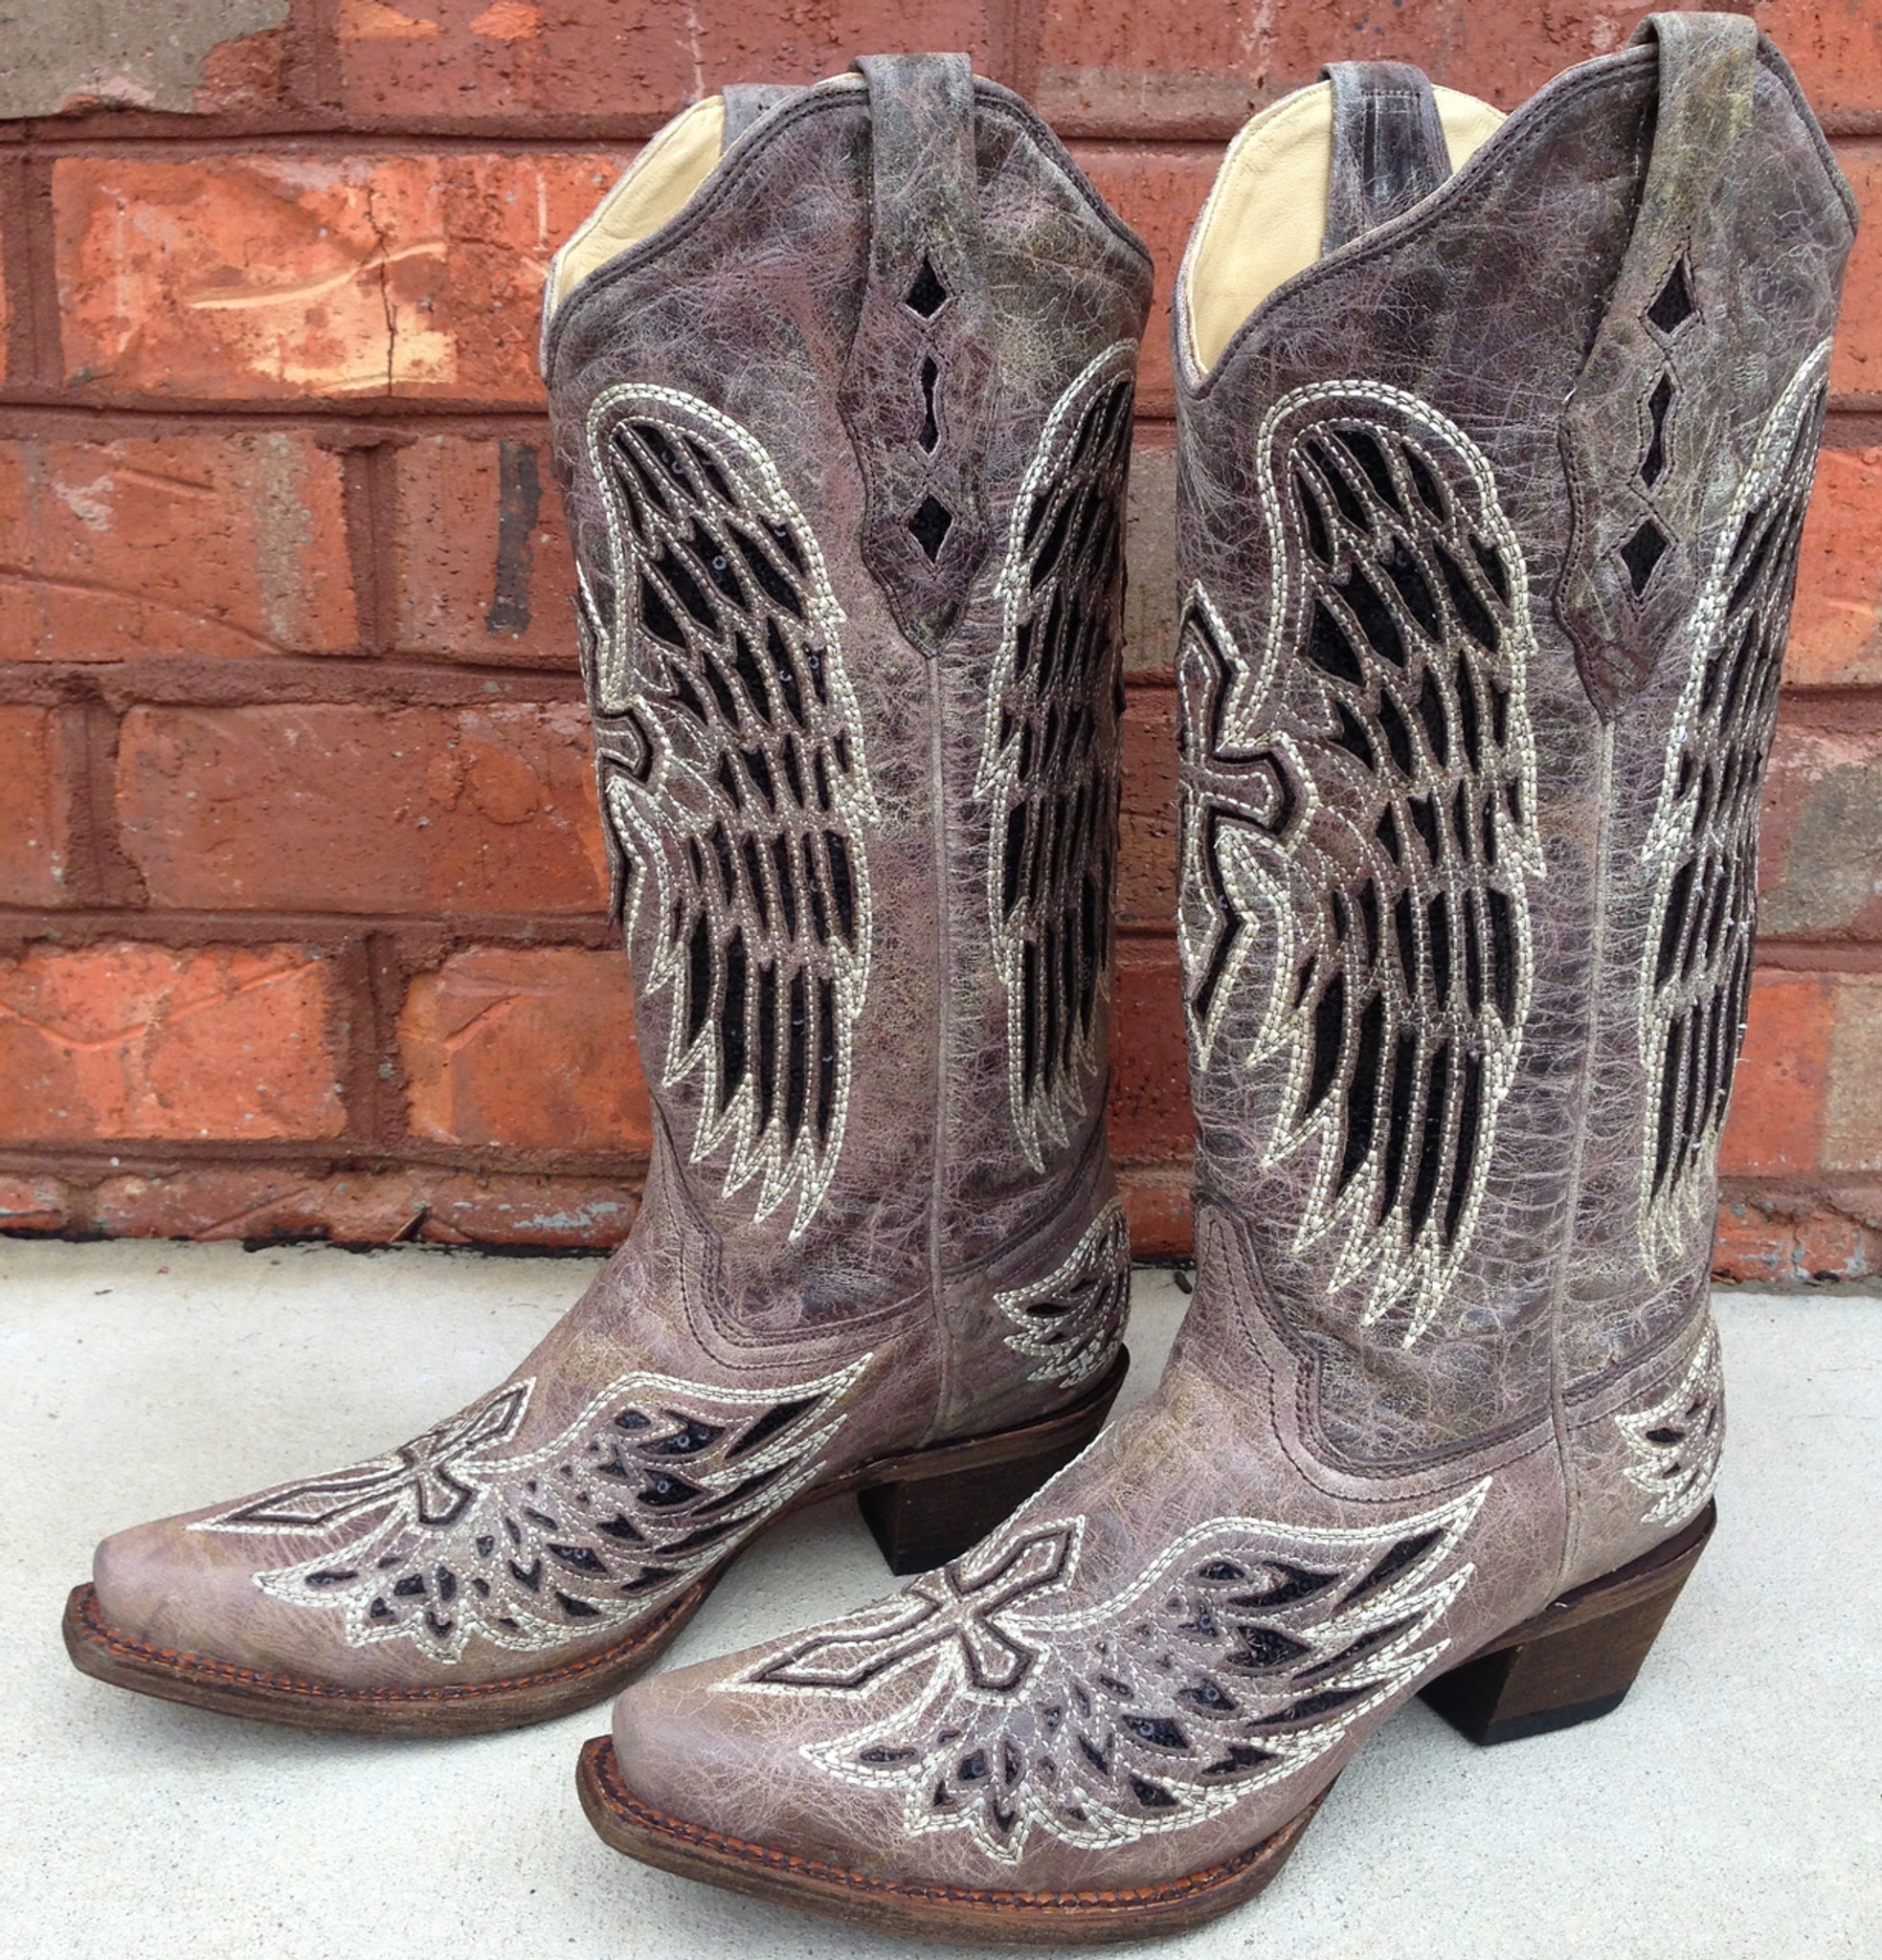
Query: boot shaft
[(1488, 521), (844, 441)]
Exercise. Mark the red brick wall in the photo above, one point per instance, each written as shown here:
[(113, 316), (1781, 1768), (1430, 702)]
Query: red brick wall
[(301, 884)]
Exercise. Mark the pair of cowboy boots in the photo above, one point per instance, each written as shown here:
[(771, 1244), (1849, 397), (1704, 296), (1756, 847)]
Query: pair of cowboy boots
[(1494, 444)]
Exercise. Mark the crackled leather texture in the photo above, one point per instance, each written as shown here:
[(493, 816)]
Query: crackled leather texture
[(1466, 927), (1488, 925), (1388, 148), (862, 806)]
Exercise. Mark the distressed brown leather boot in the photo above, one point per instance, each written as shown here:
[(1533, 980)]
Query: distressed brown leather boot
[(842, 383), (1490, 490)]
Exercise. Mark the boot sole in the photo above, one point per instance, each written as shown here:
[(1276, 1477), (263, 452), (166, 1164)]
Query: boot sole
[(1553, 1671), (924, 1507), (968, 1915)]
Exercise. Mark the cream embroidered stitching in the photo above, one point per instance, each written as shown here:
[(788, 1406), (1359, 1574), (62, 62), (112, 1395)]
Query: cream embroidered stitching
[(731, 758), (1701, 849), (1359, 829), (1048, 761), (442, 1539), (1070, 1321), (1247, 1650), (1675, 1446)]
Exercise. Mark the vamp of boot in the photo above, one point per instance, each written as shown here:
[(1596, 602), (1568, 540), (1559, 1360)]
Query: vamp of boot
[(1495, 439), (842, 388)]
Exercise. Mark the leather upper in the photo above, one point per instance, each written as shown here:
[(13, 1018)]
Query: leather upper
[(845, 442), (1416, 743), (781, 299), (1466, 924)]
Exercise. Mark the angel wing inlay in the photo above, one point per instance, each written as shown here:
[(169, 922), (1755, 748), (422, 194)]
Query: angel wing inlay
[(1702, 848), (1359, 829), (735, 783), (1070, 1324), (459, 1534), (1048, 761), (1673, 1446), (1244, 1652)]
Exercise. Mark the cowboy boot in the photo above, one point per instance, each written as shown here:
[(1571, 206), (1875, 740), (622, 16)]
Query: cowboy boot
[(1495, 447), (842, 384)]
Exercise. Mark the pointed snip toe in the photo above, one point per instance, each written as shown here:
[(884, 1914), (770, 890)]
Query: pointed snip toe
[(146, 1578), (972, 1915), (1569, 1663)]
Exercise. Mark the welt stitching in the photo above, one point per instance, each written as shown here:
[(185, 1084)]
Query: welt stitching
[(745, 1851), (179, 1660)]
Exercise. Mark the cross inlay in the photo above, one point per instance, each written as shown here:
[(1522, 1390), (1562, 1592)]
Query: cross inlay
[(424, 1476), (951, 1608)]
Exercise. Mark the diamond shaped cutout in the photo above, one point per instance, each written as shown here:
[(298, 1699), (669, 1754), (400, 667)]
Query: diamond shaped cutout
[(928, 295), (1642, 552), (1672, 306), (931, 523)]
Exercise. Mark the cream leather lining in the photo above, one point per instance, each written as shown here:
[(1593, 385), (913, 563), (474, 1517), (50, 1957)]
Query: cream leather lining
[(1265, 217), (675, 162)]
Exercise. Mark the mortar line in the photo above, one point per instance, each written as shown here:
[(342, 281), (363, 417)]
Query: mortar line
[(22, 352), (311, 64), (37, 293), (380, 979)]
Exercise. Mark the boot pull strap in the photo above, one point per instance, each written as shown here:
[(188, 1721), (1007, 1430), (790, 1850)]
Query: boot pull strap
[(747, 102), (1389, 147), (1649, 419), (915, 392)]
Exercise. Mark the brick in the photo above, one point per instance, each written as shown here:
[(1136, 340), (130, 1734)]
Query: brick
[(35, 809), (202, 544), (1855, 365), (1820, 861), (1835, 47), (1150, 597), (1156, 1206), (484, 566), (1157, 192), (1147, 870), (1852, 1113), (246, 75), (147, 1041), (1200, 71), (279, 277), (366, 1208), (1149, 1113), (1836, 623), (359, 809), (458, 58), (255, 1201), (1802, 1239), (530, 1211), (528, 1050), (1776, 1126), (34, 1204)]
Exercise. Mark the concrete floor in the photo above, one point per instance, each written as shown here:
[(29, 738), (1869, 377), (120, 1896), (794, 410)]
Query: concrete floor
[(1732, 1808)]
